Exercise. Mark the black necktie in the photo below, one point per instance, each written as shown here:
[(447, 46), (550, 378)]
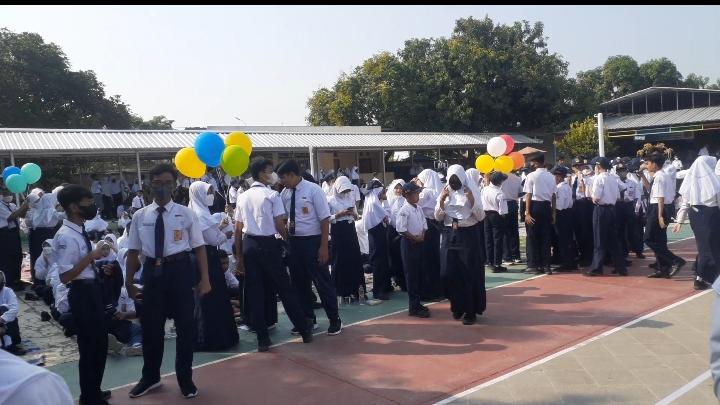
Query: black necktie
[(159, 240), (291, 225), (574, 189)]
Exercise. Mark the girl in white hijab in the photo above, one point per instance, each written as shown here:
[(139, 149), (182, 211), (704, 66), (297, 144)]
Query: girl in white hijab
[(347, 270), (700, 193), (395, 201), (201, 198), (375, 218), (430, 286)]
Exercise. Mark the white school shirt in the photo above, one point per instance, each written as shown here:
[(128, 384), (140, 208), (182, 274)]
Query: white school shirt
[(6, 209), (631, 190), (563, 199), (70, 247), (138, 202), (9, 299), (511, 187), (337, 205), (588, 181), (395, 208), (427, 201), (96, 187), (182, 230), (115, 187), (411, 219), (24, 383), (477, 213), (125, 304), (311, 207), (493, 199), (605, 189), (541, 184), (257, 209), (356, 193), (232, 195), (659, 187)]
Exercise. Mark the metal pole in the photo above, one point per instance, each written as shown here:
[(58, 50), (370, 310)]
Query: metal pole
[(646, 106), (12, 163), (601, 134), (382, 156), (312, 160), (677, 100), (137, 160)]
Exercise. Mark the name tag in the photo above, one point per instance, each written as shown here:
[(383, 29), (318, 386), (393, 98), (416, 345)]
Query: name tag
[(177, 235), (305, 210)]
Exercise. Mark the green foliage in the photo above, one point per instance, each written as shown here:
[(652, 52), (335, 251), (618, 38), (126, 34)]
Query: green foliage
[(582, 140)]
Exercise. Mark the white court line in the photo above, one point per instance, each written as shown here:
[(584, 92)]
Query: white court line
[(567, 350), (684, 389), (319, 333)]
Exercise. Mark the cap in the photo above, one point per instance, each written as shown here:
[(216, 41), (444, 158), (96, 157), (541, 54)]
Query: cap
[(374, 184), (602, 161), (561, 170), (410, 187), (498, 177)]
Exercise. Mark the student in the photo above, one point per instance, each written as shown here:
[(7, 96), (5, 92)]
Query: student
[(125, 335), (564, 220), (308, 231), (43, 223), (75, 259), (165, 233), (539, 216), (605, 194), (374, 220), (259, 216), (700, 192), (216, 327), (347, 270), (582, 211), (658, 218), (411, 225), (512, 188), (9, 325), (233, 194), (138, 201), (459, 208), (430, 286), (496, 208), (11, 254), (395, 201), (629, 238)]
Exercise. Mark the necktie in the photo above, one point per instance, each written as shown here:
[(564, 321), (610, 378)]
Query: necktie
[(291, 224), (574, 189), (88, 245), (159, 241)]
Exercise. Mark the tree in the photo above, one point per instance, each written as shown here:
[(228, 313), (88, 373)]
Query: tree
[(621, 75), (661, 73), (582, 140), (694, 81), (157, 122), (40, 90)]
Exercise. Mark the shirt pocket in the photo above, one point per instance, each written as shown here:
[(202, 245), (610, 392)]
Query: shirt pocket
[(177, 230), (306, 208)]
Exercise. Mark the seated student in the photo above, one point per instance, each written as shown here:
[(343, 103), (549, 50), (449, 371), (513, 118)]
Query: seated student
[(43, 266), (9, 326), (123, 222), (123, 330)]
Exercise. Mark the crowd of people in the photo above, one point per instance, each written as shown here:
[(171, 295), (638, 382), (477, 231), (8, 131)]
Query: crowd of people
[(215, 252)]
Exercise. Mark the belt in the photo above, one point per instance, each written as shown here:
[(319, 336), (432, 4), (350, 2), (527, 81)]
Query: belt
[(177, 257), (605, 205), (304, 237), (540, 202), (258, 237), (8, 229), (349, 221), (84, 281)]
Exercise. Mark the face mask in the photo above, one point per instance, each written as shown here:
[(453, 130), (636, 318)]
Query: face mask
[(8, 198), (48, 250), (88, 212), (586, 172), (162, 193), (210, 200), (274, 178)]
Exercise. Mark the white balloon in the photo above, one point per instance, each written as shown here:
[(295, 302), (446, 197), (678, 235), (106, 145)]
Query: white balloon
[(496, 146)]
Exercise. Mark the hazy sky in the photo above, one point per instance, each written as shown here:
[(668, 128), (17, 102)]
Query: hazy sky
[(206, 65)]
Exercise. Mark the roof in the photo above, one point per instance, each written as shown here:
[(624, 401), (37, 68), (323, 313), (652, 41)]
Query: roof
[(304, 129), (687, 116), (130, 141), (653, 90)]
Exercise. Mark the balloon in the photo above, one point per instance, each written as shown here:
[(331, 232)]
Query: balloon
[(496, 146), (509, 141), (518, 160), (240, 139), (16, 183), (484, 163), (235, 160), (31, 172), (188, 163), (209, 148), (504, 164), (9, 171)]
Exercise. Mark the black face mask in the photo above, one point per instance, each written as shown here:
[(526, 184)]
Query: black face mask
[(162, 193), (88, 212)]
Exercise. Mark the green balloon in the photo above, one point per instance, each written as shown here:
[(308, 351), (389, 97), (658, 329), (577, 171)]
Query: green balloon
[(31, 172), (16, 183), (234, 160)]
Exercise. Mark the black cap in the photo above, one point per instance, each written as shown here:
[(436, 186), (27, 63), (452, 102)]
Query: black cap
[(374, 184), (602, 161), (410, 187), (561, 170), (328, 177), (498, 177)]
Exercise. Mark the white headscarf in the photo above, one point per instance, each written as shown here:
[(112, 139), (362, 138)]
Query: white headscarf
[(457, 205), (474, 175), (198, 203), (113, 247), (122, 242), (96, 224), (391, 197), (373, 211), (338, 200), (701, 185), (431, 180)]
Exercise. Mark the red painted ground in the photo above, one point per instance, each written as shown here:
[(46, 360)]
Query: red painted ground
[(405, 360)]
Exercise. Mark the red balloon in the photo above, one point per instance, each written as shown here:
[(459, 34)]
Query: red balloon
[(509, 141)]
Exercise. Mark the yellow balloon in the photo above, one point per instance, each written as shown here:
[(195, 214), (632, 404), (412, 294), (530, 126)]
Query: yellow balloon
[(240, 139), (504, 164), (484, 163), (189, 164)]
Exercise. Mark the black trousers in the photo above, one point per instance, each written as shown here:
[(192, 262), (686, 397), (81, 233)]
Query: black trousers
[(396, 264), (539, 235), (430, 286), (511, 237), (378, 250), (169, 295), (582, 216), (624, 213), (36, 239), (11, 255), (12, 329), (564, 231), (88, 312), (108, 207), (605, 238), (656, 238), (264, 270), (463, 281), (495, 226), (636, 230), (412, 255), (304, 270), (705, 223)]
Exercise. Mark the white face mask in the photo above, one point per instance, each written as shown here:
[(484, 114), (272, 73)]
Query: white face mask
[(210, 200), (48, 250), (586, 172), (8, 198), (275, 179)]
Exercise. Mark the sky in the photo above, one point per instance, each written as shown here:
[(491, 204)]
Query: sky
[(258, 65)]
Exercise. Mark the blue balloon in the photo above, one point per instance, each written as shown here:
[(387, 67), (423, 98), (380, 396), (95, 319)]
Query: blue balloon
[(9, 171), (209, 147)]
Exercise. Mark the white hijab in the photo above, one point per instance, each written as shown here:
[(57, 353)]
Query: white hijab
[(701, 185), (96, 224), (373, 211), (339, 200), (122, 242), (113, 247), (431, 180), (474, 175), (457, 205), (198, 203), (391, 197)]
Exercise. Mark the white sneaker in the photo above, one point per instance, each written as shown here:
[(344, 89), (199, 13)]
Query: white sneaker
[(114, 346), (507, 263)]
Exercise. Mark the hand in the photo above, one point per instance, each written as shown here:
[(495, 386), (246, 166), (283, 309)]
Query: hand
[(98, 252), (445, 193), (108, 269), (554, 218), (225, 222), (203, 287), (323, 255), (677, 228), (120, 316), (239, 267), (133, 292), (661, 220), (529, 219)]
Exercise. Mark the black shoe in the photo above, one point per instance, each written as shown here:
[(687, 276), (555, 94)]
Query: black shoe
[(317, 305), (420, 312), (640, 255), (143, 387), (700, 285), (530, 270), (659, 274), (469, 320), (593, 273), (16, 350), (457, 316), (106, 394), (539, 271), (335, 327), (45, 316), (264, 345), (677, 266), (653, 265), (548, 270), (499, 269), (296, 332), (307, 336), (188, 389), (620, 272)]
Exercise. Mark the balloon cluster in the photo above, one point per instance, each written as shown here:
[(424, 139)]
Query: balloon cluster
[(210, 150), (17, 179), (500, 157)]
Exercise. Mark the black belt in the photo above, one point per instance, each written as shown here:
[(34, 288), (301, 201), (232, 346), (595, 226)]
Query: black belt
[(304, 237), (84, 281), (177, 257), (605, 205), (540, 202), (7, 229), (265, 238)]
